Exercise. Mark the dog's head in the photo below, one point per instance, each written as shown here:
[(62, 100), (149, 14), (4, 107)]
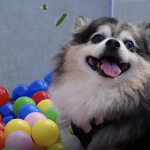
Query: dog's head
[(105, 49)]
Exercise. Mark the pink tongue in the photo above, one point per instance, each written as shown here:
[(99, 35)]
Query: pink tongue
[(110, 68)]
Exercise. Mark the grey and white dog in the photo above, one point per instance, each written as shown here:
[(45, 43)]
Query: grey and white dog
[(101, 86)]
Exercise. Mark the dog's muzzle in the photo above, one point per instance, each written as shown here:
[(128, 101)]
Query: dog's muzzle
[(109, 64)]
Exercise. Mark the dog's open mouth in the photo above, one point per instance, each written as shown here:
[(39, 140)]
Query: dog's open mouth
[(108, 66)]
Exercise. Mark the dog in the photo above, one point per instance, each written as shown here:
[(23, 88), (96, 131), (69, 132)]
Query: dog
[(101, 86)]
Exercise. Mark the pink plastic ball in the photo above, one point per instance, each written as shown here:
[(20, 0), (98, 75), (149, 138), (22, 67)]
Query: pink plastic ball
[(32, 118), (19, 140)]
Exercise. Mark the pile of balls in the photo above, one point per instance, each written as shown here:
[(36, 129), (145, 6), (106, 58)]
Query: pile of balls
[(29, 122)]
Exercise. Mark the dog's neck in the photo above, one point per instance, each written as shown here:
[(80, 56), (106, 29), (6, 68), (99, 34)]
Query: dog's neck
[(86, 131), (86, 127)]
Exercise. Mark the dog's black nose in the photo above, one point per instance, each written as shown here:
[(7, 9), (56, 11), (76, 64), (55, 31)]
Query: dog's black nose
[(112, 44)]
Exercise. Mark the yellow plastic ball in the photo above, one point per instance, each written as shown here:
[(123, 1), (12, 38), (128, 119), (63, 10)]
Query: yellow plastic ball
[(59, 139), (17, 124), (45, 132), (56, 146), (44, 105)]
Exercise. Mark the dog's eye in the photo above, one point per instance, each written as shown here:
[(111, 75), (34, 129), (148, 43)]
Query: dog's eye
[(97, 39), (129, 45)]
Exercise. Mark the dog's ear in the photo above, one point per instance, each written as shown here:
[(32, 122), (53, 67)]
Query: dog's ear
[(145, 26), (80, 23)]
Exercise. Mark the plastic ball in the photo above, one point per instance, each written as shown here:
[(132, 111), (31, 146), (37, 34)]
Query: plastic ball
[(3, 96), (17, 124), (6, 110), (20, 90), (10, 102), (0, 117), (56, 146), (37, 85), (2, 139), (52, 114), (8, 118), (59, 139), (37, 147), (44, 105), (48, 78), (2, 126), (32, 118), (45, 132), (40, 95), (9, 148), (19, 140), (27, 109), (21, 102)]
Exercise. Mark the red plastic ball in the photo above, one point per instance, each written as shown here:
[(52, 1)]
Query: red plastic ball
[(2, 126), (0, 117), (3, 96), (9, 102), (40, 95)]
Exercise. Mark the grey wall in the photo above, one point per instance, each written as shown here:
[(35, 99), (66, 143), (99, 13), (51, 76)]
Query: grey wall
[(29, 38), (133, 11)]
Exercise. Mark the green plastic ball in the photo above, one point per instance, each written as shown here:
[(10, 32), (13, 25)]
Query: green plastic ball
[(9, 148), (21, 102), (52, 114)]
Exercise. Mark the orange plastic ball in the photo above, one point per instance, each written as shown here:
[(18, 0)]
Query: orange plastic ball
[(2, 139)]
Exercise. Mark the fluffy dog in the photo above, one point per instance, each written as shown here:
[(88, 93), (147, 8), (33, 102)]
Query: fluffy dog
[(100, 85)]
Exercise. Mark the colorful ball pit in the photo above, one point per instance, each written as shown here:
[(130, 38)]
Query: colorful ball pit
[(0, 117), (45, 132), (28, 117), (3, 96), (44, 105), (6, 110), (56, 146), (37, 85), (2, 139), (9, 148), (40, 95), (48, 78), (32, 118), (17, 124), (2, 126), (21, 101), (20, 90), (27, 109), (8, 118), (52, 114), (19, 140)]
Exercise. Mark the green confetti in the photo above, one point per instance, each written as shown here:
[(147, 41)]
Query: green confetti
[(61, 19), (70, 130), (44, 7)]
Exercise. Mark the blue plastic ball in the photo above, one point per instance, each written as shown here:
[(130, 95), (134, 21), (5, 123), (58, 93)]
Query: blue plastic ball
[(6, 110), (8, 118), (48, 78), (27, 109), (20, 90), (37, 85)]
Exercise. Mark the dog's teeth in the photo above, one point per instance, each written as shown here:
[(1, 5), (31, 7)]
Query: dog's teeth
[(98, 65), (120, 61)]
